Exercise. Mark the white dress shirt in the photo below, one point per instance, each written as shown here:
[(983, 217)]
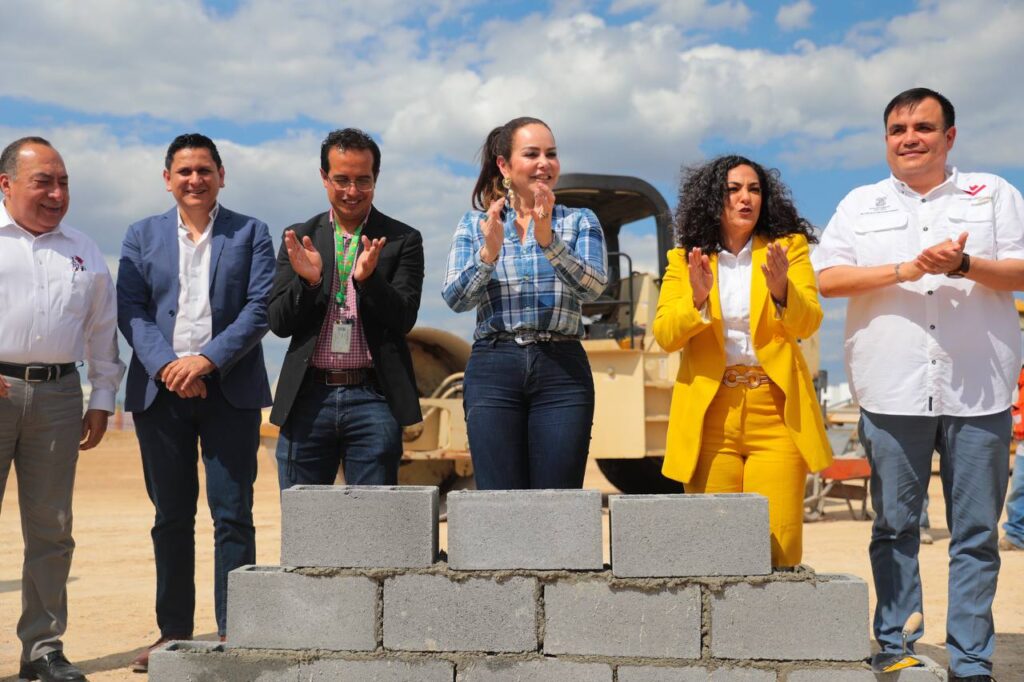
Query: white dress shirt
[(734, 274), (193, 326), (57, 305), (938, 346)]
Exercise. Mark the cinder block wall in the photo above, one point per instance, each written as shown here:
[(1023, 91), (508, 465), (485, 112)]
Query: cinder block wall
[(362, 595)]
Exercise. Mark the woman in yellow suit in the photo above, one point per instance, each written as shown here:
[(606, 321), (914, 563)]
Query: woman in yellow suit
[(737, 295)]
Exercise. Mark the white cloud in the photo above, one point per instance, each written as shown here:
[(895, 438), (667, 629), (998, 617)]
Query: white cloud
[(690, 13), (795, 16)]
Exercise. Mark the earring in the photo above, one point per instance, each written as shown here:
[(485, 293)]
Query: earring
[(510, 195)]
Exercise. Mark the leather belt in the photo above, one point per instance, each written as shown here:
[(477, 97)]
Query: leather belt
[(750, 377), (341, 377), (525, 338), (35, 374)]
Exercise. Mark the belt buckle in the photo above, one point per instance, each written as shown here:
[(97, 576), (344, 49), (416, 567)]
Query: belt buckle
[(525, 339), (731, 378), (754, 380), (47, 372)]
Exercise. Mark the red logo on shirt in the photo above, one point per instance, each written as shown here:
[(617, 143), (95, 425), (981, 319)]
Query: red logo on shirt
[(77, 264), (974, 189)]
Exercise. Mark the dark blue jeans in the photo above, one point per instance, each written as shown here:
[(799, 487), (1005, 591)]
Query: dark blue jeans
[(529, 411), (329, 426), (170, 433)]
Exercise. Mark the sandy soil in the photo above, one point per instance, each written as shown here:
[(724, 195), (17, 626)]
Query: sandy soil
[(112, 578)]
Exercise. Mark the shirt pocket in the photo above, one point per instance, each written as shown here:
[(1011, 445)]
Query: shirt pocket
[(978, 221), (881, 238), (76, 293)]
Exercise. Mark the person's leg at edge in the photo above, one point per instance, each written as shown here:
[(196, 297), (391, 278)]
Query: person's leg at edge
[(1014, 525), (495, 406), (775, 468), (168, 441), (45, 461), (561, 414), (975, 471), (308, 449), (720, 463), (900, 451), (230, 439), (371, 437)]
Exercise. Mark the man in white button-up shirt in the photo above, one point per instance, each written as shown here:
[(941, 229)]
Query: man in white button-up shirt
[(57, 307), (192, 294), (929, 258)]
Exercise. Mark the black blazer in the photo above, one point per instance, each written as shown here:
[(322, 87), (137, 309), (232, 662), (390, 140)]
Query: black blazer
[(388, 301)]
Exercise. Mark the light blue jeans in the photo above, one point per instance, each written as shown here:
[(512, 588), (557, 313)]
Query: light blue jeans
[(1014, 525), (974, 465)]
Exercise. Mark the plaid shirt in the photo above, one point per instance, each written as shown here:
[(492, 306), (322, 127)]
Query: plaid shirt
[(358, 356), (529, 287)]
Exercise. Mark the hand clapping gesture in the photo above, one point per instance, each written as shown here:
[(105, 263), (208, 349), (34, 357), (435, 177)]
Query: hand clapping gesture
[(493, 231), (701, 277), (304, 257), (944, 257), (776, 271), (543, 204), (368, 257)]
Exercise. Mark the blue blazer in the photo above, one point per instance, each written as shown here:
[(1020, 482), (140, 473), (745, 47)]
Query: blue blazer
[(241, 275)]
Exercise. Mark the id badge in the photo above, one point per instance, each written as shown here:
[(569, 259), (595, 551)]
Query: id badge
[(341, 337)]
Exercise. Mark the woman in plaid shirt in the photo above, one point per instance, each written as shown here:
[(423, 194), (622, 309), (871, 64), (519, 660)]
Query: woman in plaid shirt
[(526, 265)]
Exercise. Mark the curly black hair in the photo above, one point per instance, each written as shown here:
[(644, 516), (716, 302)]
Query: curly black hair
[(702, 194)]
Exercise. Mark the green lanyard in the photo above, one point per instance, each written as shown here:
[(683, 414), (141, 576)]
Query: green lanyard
[(345, 259)]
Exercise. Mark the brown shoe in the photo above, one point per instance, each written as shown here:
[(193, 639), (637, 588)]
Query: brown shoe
[(140, 663), (1008, 545)]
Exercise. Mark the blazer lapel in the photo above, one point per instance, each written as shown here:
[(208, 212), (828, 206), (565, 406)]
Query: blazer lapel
[(323, 240), (758, 286), (716, 304), (169, 252), (217, 240)]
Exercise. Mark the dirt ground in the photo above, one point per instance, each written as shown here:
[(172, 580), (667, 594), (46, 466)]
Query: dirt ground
[(112, 578)]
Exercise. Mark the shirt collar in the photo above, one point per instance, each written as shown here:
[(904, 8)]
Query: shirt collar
[(743, 255), (943, 187), (213, 218), (7, 221)]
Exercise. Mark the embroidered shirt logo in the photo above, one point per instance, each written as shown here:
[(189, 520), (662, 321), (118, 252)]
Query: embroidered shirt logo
[(974, 189), (77, 264)]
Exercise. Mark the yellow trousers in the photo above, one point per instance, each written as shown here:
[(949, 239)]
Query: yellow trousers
[(745, 447)]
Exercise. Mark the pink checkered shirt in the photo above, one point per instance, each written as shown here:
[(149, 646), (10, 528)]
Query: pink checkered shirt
[(358, 356)]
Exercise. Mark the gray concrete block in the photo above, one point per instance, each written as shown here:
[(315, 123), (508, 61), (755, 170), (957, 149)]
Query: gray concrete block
[(590, 618), (359, 526), (379, 670), (545, 670), (694, 674), (208, 662), (826, 619), (689, 535), (531, 529), (930, 672), (272, 608), (436, 613)]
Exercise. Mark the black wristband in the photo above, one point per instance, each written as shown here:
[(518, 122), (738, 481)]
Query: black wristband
[(965, 266)]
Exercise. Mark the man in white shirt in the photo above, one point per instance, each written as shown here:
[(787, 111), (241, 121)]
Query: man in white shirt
[(57, 303), (192, 292), (929, 258)]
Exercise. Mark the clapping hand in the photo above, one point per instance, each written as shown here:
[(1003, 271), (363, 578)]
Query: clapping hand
[(776, 271), (493, 230), (304, 257), (543, 205), (943, 257), (368, 257), (701, 277)]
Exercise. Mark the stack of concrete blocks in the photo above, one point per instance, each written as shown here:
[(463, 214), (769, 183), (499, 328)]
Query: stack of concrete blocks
[(525, 597)]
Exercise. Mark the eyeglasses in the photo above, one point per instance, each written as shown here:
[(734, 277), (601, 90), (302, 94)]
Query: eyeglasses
[(342, 183)]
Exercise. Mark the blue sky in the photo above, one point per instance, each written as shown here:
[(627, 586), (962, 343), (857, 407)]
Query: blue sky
[(636, 87)]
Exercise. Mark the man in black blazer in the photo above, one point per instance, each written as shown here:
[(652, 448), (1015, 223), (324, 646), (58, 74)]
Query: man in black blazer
[(347, 291)]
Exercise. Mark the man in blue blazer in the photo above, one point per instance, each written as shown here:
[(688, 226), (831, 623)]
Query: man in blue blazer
[(192, 292)]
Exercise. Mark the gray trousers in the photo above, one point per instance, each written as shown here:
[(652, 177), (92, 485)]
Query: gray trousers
[(40, 428)]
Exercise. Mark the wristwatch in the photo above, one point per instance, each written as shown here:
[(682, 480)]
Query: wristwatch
[(965, 265)]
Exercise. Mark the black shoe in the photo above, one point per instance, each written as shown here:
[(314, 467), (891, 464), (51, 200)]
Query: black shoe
[(971, 678), (52, 667)]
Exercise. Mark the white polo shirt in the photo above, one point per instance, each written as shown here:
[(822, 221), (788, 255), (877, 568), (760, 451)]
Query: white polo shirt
[(938, 346)]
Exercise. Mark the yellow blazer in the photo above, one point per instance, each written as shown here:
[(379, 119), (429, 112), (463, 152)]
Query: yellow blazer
[(678, 325)]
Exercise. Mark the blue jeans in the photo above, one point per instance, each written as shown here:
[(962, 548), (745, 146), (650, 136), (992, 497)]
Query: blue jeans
[(169, 433), (1014, 525), (529, 411), (331, 426), (974, 465)]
